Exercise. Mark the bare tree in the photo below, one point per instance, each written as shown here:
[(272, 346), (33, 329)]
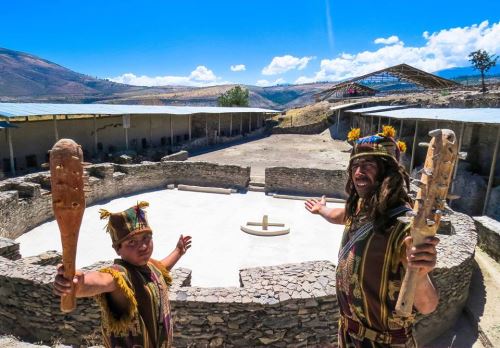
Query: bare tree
[(483, 62)]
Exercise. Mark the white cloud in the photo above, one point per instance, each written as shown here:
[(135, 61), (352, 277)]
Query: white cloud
[(238, 67), (444, 49), (201, 76), (202, 73), (285, 63), (388, 41), (266, 83), (304, 79)]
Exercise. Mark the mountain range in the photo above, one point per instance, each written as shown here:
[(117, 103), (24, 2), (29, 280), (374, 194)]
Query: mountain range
[(28, 78)]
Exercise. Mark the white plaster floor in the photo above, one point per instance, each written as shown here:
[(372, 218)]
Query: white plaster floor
[(219, 247)]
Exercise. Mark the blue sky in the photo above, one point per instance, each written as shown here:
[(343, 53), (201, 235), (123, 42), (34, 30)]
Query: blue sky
[(266, 42)]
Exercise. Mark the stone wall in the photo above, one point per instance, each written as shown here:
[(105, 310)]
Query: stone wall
[(287, 306), (284, 306), (488, 231), (306, 180), (313, 128), (290, 305), (9, 249), (25, 201)]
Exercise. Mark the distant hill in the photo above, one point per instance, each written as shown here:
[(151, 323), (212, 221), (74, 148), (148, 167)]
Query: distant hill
[(275, 97), (23, 74), (291, 96), (28, 78)]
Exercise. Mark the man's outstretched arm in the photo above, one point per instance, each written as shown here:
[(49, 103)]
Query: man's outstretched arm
[(332, 215)]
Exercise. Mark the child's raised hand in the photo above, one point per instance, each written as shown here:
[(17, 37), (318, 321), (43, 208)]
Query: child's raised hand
[(183, 244)]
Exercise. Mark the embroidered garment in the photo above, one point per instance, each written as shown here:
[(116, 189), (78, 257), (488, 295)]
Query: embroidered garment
[(369, 275), (147, 323)]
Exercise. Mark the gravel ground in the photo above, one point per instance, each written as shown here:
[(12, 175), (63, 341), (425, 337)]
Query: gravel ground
[(283, 150)]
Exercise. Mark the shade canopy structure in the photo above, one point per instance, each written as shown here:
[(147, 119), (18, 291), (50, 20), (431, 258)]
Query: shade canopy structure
[(345, 106), (350, 89), (98, 127), (377, 108), (13, 110), (398, 77), (476, 115)]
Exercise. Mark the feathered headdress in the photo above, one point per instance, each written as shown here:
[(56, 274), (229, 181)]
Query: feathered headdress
[(380, 144)]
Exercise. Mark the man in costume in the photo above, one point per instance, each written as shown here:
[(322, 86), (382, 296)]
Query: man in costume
[(133, 292), (376, 248)]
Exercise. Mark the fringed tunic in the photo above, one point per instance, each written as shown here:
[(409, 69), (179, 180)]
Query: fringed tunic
[(369, 275), (147, 322)]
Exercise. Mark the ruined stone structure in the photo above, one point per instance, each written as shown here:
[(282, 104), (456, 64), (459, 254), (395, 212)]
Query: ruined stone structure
[(286, 306), (313, 128), (306, 180), (488, 231)]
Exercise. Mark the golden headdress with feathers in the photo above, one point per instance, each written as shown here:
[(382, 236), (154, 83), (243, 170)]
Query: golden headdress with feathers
[(380, 144)]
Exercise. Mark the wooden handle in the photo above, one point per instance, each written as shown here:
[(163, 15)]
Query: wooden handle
[(404, 305), (68, 302)]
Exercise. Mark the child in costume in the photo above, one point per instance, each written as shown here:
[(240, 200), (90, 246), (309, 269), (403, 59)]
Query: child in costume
[(133, 292)]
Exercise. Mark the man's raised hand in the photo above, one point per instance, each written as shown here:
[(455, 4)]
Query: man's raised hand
[(314, 206)]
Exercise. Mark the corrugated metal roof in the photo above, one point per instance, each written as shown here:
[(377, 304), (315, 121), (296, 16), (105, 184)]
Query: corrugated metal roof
[(343, 106), (474, 115), (377, 108), (36, 109)]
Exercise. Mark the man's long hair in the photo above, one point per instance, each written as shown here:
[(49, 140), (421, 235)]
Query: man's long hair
[(392, 191)]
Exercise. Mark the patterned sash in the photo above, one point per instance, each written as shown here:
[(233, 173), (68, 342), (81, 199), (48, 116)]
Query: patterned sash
[(364, 230)]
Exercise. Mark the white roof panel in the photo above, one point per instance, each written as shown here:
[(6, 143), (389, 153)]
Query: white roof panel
[(377, 108), (473, 115), (343, 106), (38, 109)]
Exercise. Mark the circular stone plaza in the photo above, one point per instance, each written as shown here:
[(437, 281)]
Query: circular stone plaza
[(232, 288)]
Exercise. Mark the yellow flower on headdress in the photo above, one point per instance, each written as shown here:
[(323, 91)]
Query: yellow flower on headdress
[(104, 214), (402, 146), (388, 132), (354, 134), (142, 204)]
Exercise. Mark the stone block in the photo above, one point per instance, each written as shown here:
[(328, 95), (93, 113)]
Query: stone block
[(178, 156)]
